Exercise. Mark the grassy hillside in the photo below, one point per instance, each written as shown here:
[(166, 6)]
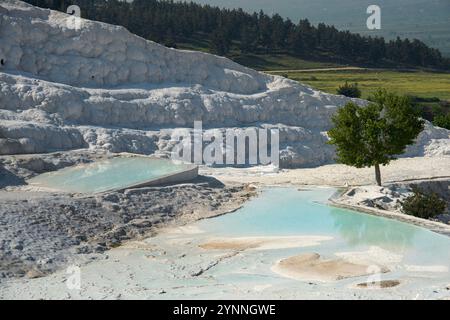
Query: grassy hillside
[(269, 61), (263, 62), (279, 62)]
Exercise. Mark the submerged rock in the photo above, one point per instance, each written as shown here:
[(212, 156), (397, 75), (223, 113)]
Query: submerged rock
[(379, 284), (263, 243), (312, 267), (34, 273)]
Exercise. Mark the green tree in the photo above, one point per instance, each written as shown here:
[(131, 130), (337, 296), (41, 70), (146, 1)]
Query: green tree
[(375, 134), (220, 42), (248, 39)]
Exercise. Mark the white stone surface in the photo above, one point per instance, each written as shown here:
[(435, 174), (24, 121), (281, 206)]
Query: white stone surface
[(103, 87)]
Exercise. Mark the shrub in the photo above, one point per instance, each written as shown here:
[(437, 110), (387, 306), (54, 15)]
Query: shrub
[(349, 90), (423, 205), (442, 121), (424, 99)]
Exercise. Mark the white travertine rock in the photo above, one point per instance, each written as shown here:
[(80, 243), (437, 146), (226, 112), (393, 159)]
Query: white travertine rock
[(34, 137), (103, 87)]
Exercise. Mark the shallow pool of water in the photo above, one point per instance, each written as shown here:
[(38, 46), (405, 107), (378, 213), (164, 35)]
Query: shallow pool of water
[(109, 174), (174, 265), (290, 212)]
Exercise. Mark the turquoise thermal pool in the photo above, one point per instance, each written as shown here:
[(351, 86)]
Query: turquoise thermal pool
[(176, 265), (290, 212), (110, 174)]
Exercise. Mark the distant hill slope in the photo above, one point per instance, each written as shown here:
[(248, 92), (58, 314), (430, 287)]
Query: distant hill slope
[(426, 20), (241, 36)]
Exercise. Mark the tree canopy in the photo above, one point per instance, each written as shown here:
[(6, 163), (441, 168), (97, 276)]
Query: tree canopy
[(375, 134)]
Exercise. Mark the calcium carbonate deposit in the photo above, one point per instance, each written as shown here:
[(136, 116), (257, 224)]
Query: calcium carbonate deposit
[(94, 85)]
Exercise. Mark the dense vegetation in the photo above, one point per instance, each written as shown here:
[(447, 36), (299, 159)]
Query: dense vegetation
[(174, 23), (375, 134), (442, 120), (433, 109), (349, 90), (423, 205)]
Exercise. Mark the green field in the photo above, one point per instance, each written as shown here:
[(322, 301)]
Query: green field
[(418, 83), (422, 84)]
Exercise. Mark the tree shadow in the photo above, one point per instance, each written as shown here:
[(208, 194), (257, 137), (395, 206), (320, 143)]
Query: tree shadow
[(363, 229)]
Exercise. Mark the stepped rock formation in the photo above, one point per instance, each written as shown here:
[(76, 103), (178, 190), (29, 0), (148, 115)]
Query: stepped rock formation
[(99, 86)]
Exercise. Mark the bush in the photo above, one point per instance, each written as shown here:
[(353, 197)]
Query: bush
[(423, 205), (424, 99), (442, 121), (349, 90)]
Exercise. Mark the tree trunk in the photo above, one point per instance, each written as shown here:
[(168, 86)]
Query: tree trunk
[(378, 174)]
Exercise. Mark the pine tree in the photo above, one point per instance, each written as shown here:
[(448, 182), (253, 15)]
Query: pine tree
[(219, 42)]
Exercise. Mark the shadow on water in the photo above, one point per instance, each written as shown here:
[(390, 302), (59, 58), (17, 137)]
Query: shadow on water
[(363, 229)]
